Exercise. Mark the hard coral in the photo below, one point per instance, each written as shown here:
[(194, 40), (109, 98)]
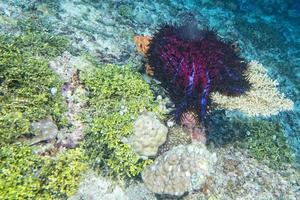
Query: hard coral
[(25, 85), (192, 63), (263, 99), (25, 175), (149, 134), (184, 168)]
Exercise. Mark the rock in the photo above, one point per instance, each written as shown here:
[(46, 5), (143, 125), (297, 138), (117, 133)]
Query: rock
[(180, 170), (68, 68), (44, 140), (139, 192), (66, 64), (149, 134), (95, 187), (44, 129)]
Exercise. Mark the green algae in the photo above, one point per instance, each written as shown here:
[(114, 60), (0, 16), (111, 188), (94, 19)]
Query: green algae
[(265, 141), (125, 11)]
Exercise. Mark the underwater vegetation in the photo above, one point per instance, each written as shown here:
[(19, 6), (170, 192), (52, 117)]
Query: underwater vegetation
[(265, 141), (25, 175), (116, 96), (26, 82), (26, 85), (125, 11), (192, 63)]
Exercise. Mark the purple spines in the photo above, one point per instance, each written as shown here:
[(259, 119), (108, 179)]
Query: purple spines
[(194, 65)]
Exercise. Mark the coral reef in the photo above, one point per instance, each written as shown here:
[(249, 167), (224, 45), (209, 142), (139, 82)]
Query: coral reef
[(68, 68), (117, 95), (239, 176), (180, 170), (149, 133), (65, 65), (263, 99), (142, 43), (97, 187), (32, 113), (192, 63), (105, 30)]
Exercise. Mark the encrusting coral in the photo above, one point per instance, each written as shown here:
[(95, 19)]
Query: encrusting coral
[(263, 99)]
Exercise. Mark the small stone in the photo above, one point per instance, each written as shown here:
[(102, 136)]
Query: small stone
[(53, 91), (159, 97)]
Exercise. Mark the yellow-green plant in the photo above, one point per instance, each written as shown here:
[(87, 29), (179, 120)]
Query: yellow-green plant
[(24, 175), (25, 86), (117, 96)]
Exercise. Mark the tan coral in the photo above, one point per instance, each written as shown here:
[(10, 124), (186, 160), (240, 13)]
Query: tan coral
[(263, 99)]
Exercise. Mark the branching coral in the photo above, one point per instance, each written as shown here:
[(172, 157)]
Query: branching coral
[(263, 98), (117, 96), (25, 86), (24, 175)]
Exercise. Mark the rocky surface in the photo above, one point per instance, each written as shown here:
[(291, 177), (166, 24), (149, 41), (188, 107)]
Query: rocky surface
[(95, 187), (149, 133), (45, 134), (180, 170), (68, 68), (238, 176)]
